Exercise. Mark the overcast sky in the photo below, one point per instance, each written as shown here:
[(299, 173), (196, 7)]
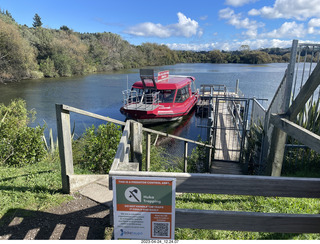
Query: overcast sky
[(184, 25)]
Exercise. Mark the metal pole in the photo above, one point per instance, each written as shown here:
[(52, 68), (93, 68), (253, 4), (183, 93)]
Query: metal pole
[(185, 157)]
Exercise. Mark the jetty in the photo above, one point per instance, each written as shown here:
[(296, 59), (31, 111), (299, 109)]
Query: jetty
[(226, 113)]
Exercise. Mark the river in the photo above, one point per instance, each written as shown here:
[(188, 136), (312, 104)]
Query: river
[(101, 92)]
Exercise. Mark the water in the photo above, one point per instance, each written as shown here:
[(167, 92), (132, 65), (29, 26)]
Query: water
[(101, 93)]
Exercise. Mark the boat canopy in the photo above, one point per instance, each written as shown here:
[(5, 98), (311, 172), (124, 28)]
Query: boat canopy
[(148, 81)]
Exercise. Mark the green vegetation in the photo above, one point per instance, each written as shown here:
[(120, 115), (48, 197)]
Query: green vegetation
[(29, 176), (303, 161), (37, 21), (19, 144), (95, 150), (36, 52), (32, 186), (248, 204)]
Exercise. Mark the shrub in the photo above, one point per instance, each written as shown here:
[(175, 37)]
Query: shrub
[(47, 67), (19, 144), (96, 149)]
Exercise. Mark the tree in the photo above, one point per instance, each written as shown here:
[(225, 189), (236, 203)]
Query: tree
[(36, 21), (17, 57), (244, 48), (216, 56)]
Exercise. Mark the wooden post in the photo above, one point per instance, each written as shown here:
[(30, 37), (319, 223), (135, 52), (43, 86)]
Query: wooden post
[(148, 145), (237, 86), (185, 158), (136, 143), (279, 138), (65, 146), (305, 93)]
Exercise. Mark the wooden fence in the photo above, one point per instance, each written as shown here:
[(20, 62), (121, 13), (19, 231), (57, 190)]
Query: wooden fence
[(130, 146)]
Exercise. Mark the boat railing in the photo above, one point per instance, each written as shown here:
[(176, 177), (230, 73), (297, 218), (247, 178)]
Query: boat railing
[(133, 100), (151, 99), (213, 90), (130, 97)]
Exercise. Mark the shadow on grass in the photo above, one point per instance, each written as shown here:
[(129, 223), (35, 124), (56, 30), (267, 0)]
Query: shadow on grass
[(88, 223), (18, 176), (34, 189)]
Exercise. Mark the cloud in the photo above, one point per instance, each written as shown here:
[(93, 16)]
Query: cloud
[(191, 47), (205, 17), (237, 21), (149, 29), (185, 27), (287, 30), (238, 3), (312, 26), (288, 9), (232, 45)]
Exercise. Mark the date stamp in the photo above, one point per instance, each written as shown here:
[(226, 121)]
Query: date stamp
[(160, 241)]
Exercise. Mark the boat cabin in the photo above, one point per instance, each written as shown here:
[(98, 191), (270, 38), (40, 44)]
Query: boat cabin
[(162, 98)]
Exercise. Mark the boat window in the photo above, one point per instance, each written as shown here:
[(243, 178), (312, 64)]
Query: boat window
[(140, 91), (182, 94), (137, 90), (193, 87), (166, 96)]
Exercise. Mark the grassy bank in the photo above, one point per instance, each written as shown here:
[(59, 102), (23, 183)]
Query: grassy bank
[(32, 187)]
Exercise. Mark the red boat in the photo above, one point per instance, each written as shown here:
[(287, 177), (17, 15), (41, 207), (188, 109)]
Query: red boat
[(159, 99)]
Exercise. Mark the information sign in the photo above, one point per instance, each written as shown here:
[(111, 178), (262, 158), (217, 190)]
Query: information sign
[(163, 75), (143, 207)]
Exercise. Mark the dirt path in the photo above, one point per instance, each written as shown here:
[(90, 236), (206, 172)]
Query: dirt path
[(79, 219)]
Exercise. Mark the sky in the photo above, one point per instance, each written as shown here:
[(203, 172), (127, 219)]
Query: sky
[(198, 25)]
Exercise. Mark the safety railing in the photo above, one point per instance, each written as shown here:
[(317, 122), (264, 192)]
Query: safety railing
[(144, 101)]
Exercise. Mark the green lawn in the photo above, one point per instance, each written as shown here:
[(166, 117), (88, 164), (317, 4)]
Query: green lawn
[(248, 204), (32, 187)]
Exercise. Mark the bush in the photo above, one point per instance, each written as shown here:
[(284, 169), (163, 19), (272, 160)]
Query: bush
[(19, 144), (47, 67), (96, 149)]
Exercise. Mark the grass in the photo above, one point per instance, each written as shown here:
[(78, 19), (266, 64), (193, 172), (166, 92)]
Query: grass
[(32, 187), (248, 204)]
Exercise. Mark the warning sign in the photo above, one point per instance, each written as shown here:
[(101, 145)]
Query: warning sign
[(144, 207)]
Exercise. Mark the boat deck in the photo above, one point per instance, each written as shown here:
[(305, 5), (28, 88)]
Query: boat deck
[(141, 107)]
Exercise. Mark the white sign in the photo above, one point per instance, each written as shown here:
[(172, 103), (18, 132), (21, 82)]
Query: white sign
[(163, 75), (143, 207)]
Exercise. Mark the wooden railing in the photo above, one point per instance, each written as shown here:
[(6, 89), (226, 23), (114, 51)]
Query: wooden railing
[(130, 147)]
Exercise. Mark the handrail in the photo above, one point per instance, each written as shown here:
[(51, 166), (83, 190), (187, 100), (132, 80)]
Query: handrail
[(175, 137), (93, 115), (97, 116)]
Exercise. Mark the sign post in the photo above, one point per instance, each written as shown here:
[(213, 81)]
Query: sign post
[(143, 207)]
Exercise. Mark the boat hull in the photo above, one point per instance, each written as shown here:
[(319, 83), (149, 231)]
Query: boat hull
[(163, 113)]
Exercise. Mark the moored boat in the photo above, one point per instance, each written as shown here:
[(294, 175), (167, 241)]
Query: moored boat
[(159, 99)]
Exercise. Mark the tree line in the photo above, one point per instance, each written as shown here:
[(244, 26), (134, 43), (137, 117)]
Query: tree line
[(36, 52)]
